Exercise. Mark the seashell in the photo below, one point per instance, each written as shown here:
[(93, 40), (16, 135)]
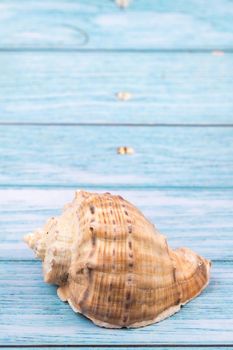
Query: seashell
[(113, 266), (124, 96), (125, 150), (122, 3)]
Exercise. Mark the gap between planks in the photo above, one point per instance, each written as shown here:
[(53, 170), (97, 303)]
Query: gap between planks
[(115, 51), (211, 346), (109, 186), (160, 125)]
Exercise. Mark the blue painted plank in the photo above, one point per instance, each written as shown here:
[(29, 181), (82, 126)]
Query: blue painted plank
[(87, 156), (199, 219), (82, 87), (31, 313), (101, 24)]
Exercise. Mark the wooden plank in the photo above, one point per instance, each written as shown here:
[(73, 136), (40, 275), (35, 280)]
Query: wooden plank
[(87, 156), (199, 219), (101, 24), (82, 87), (31, 313)]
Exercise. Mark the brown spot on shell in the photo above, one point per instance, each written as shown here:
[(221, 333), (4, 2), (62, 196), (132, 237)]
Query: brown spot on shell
[(128, 294), (64, 277), (121, 198), (127, 305), (92, 209), (174, 274), (93, 236)]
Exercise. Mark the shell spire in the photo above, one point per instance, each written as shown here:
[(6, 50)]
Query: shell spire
[(112, 265)]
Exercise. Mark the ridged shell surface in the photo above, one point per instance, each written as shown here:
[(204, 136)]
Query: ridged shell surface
[(112, 264)]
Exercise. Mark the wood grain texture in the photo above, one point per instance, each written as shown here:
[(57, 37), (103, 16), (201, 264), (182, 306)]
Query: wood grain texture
[(199, 219), (32, 313), (82, 87), (64, 61), (87, 156), (101, 24)]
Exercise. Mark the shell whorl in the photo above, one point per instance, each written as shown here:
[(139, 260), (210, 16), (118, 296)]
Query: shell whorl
[(113, 265)]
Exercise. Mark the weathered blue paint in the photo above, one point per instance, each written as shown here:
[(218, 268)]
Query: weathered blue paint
[(64, 61), (83, 156), (81, 87), (101, 24)]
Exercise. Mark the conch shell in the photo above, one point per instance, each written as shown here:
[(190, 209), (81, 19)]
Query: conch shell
[(112, 265)]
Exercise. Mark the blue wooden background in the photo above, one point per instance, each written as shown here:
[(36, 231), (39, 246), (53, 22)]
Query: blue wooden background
[(61, 64)]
